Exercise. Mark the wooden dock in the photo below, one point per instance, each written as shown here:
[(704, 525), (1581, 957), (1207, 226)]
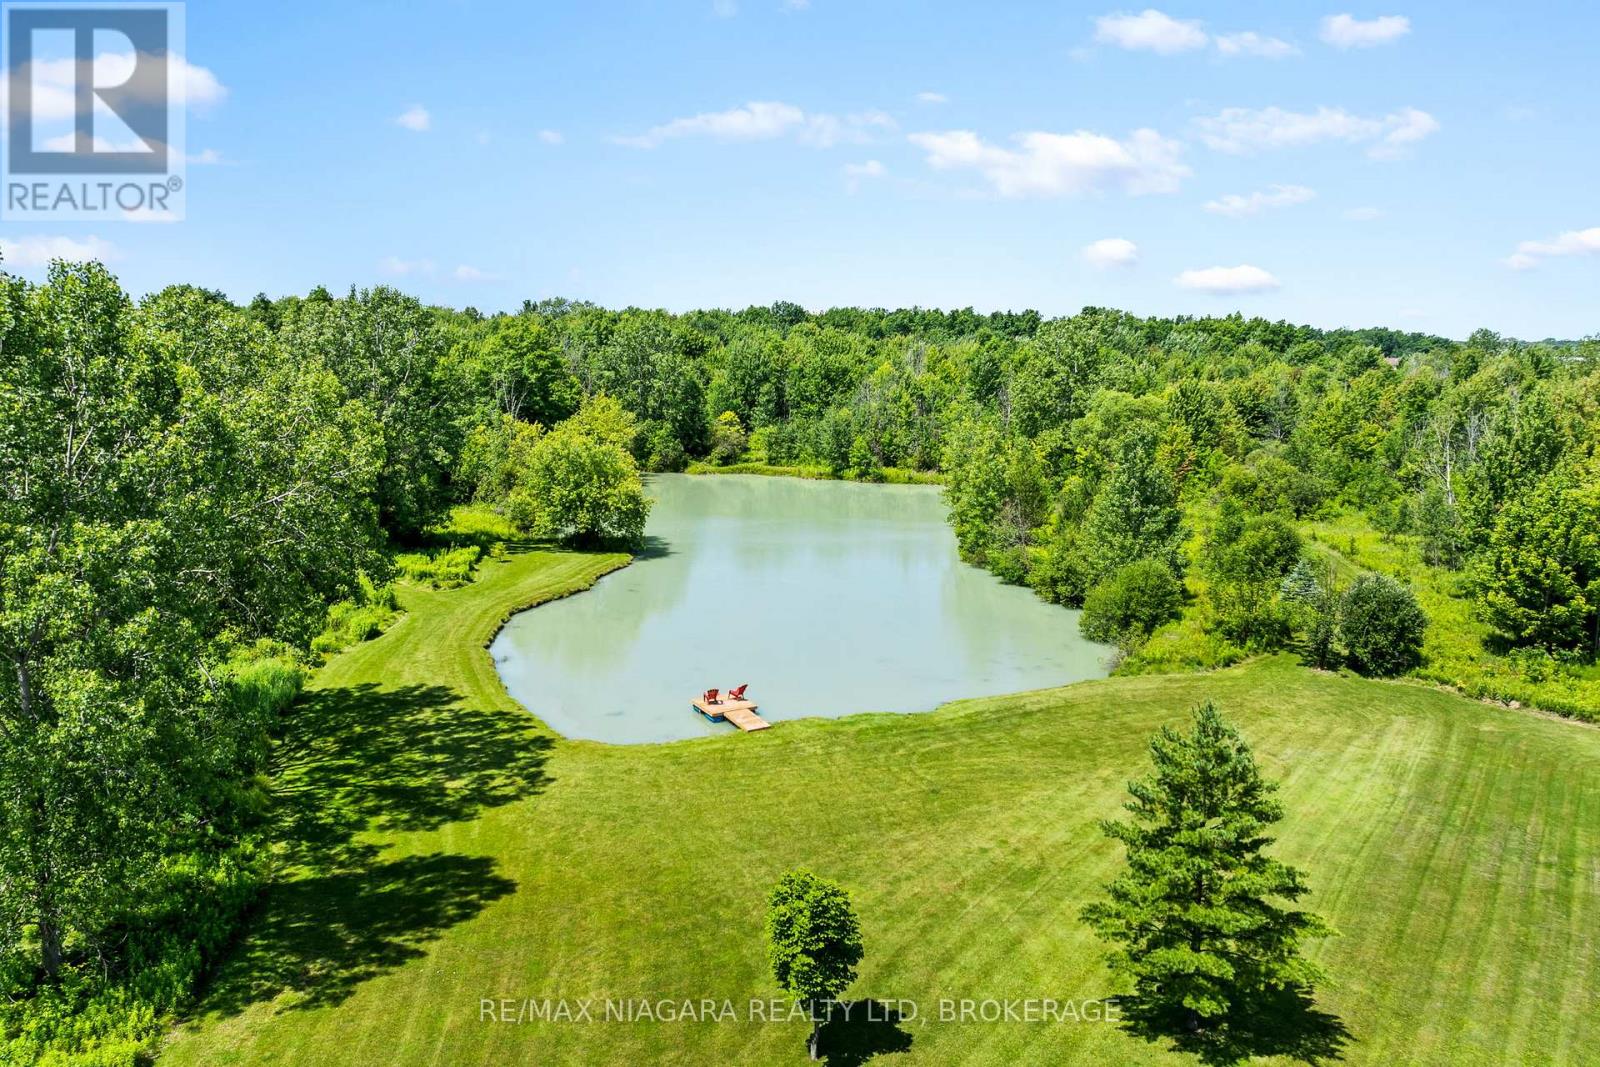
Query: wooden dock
[(742, 713)]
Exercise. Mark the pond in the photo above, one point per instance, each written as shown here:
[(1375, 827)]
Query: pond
[(826, 597)]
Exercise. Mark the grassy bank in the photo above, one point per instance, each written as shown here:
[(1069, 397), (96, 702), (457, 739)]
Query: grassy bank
[(887, 475), (441, 847)]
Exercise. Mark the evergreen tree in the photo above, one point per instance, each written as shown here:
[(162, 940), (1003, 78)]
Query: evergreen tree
[(1195, 918)]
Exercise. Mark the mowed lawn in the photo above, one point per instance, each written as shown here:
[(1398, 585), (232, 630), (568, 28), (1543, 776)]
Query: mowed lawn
[(441, 847)]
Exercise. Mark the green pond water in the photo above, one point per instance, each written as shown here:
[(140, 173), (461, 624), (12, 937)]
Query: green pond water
[(826, 597)]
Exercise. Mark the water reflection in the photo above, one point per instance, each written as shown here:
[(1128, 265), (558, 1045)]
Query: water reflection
[(827, 597)]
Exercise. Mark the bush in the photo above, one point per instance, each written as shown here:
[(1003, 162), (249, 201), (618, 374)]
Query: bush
[(1381, 626), (1009, 564), (112, 1012), (1135, 600), (361, 618), (443, 570), (728, 439)]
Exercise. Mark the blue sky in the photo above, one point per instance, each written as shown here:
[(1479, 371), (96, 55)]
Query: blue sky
[(1427, 166)]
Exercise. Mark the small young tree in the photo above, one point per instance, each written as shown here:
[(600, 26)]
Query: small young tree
[(1195, 917), (1381, 625), (728, 439), (814, 942)]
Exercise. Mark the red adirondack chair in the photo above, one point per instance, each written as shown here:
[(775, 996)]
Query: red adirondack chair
[(711, 696), (738, 692)]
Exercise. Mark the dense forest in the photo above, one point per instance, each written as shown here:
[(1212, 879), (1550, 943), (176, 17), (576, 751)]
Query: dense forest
[(198, 500)]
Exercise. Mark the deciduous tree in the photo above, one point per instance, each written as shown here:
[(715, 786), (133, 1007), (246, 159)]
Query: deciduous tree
[(814, 942)]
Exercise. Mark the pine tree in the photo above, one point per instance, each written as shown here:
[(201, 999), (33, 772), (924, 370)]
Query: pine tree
[(1194, 918)]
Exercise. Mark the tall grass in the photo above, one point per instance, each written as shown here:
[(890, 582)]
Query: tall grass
[(445, 569), (361, 618)]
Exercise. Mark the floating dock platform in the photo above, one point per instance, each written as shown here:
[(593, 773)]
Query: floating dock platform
[(742, 713)]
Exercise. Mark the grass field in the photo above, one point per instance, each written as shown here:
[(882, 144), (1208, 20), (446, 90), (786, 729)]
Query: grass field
[(440, 847)]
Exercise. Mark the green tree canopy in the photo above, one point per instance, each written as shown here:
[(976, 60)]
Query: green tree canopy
[(1135, 513), (1381, 625), (814, 942), (1539, 580)]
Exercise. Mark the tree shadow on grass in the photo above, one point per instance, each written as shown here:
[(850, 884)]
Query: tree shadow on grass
[(1284, 1022), (321, 937), (859, 1030), (358, 760), (411, 758)]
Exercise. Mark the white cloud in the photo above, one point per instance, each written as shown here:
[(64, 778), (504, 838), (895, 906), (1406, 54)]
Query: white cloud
[(1149, 31), (64, 143), (55, 80), (1413, 126), (1250, 43), (1236, 206), (765, 120), (1155, 31), (932, 98), (38, 251), (1347, 31), (402, 267), (551, 136), (1062, 164), (854, 173), (1362, 214), (1241, 279), (796, 5), (1110, 252), (1242, 130), (1571, 243), (145, 214), (415, 118), (201, 89), (825, 131)]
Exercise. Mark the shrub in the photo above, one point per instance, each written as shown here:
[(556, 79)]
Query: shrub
[(361, 618), (728, 439), (443, 570), (1009, 564), (1381, 626), (1135, 600)]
